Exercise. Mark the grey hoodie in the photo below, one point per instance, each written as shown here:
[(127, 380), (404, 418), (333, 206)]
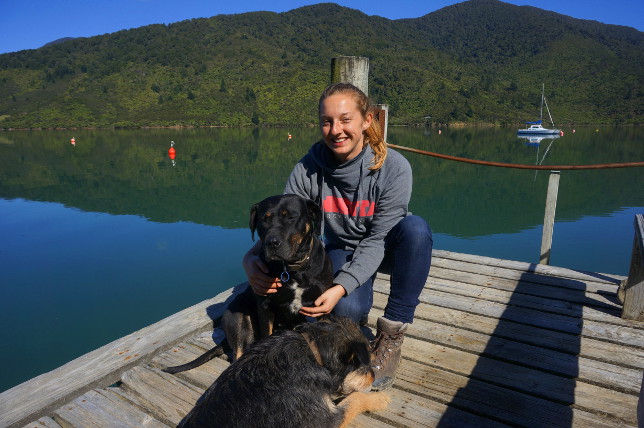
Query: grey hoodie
[(360, 206)]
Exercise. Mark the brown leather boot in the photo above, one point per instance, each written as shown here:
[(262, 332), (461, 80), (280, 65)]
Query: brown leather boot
[(386, 352)]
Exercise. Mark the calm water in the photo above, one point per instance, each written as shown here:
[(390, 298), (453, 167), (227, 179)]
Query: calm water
[(108, 236)]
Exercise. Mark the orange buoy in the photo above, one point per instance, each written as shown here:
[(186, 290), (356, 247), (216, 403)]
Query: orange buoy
[(73, 141), (172, 153), (289, 137)]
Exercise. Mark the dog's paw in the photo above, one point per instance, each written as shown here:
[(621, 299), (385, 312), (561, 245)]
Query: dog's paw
[(378, 401)]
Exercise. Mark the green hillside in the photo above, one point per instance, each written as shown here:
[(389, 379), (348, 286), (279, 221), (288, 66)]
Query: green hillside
[(477, 61)]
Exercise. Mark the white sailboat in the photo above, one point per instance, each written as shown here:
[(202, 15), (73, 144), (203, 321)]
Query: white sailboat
[(536, 128)]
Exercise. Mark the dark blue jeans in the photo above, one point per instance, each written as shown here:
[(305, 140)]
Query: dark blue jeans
[(408, 254)]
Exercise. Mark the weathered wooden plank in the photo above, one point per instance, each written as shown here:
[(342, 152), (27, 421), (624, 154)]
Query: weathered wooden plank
[(598, 372), (529, 267), (500, 272), (576, 345), (493, 401), (45, 422), (103, 408), (557, 362), (600, 300), (451, 357), (516, 298), (522, 379), (410, 410), (105, 365), (202, 376), (609, 332), (166, 396), (368, 421)]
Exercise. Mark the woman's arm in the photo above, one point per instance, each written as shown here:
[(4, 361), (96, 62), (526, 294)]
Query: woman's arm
[(257, 272)]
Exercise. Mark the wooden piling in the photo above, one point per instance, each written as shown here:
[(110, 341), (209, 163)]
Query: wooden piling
[(632, 291), (549, 218), (381, 114), (351, 69)]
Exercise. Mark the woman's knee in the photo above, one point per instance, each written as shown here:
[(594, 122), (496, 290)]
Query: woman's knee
[(349, 309), (415, 231)]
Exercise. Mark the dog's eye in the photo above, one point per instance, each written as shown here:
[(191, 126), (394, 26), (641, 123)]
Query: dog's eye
[(290, 217)]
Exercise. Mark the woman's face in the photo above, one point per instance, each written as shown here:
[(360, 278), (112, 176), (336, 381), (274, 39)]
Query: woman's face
[(342, 126)]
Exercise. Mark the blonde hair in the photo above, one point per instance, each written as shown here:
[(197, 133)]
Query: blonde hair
[(373, 134)]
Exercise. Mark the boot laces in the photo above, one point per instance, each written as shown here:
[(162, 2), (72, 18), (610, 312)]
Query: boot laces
[(383, 346)]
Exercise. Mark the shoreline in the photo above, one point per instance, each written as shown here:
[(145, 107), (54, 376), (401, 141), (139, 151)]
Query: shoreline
[(410, 125)]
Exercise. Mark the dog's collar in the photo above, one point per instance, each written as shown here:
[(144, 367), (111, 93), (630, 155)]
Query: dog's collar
[(298, 265), (313, 347)]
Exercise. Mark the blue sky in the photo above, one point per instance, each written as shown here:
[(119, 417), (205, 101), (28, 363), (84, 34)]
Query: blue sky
[(29, 24)]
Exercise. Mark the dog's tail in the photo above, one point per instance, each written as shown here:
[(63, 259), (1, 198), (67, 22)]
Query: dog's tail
[(200, 360)]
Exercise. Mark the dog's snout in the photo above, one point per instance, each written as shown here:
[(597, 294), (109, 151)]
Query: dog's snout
[(273, 242)]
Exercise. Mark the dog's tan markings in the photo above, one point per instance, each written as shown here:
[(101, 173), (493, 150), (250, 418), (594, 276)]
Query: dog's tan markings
[(360, 402), (238, 352), (357, 381), (296, 240), (313, 347)]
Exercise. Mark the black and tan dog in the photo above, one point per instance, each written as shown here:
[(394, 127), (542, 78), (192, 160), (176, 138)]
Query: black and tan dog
[(288, 226), (291, 380)]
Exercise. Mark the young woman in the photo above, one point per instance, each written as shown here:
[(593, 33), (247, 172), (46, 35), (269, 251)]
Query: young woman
[(364, 191)]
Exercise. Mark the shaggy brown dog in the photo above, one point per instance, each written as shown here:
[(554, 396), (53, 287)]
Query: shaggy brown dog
[(291, 379)]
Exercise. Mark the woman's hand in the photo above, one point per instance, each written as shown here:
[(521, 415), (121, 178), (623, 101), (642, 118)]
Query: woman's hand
[(257, 273), (325, 303)]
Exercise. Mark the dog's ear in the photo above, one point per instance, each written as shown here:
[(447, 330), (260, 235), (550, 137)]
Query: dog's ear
[(253, 220), (315, 214)]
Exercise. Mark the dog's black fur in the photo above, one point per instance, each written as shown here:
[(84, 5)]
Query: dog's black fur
[(288, 226), (290, 380)]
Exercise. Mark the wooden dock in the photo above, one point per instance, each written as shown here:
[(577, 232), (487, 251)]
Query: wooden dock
[(494, 343)]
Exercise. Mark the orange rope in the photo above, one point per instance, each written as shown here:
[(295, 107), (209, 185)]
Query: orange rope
[(518, 166)]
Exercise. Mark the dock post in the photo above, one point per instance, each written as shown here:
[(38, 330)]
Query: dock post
[(355, 70), (549, 218), (382, 116), (631, 293), (351, 69)]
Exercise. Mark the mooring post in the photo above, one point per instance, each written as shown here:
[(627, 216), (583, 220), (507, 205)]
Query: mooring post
[(631, 293), (355, 70), (351, 69), (549, 218), (382, 116)]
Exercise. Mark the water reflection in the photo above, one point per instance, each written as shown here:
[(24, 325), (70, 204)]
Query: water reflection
[(221, 172)]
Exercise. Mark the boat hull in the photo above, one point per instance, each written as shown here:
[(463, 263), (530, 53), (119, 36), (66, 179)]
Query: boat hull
[(544, 131)]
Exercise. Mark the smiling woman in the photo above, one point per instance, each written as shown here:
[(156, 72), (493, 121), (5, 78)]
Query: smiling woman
[(351, 166), (343, 126)]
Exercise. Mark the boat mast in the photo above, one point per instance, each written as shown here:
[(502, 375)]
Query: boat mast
[(543, 88), (548, 110)]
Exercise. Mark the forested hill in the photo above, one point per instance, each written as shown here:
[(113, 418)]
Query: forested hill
[(477, 61)]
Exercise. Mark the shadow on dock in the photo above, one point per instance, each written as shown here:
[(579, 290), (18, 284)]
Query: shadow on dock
[(529, 365)]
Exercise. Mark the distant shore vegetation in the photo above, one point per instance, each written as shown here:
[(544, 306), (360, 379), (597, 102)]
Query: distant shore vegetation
[(480, 62)]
